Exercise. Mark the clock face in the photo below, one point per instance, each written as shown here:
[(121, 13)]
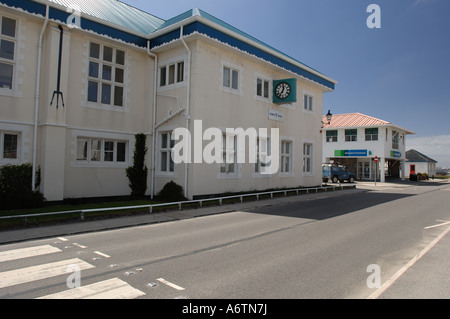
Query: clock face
[(282, 90)]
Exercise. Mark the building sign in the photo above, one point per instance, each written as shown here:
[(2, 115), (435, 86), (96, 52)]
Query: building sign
[(396, 154), (276, 115), (285, 91), (352, 153)]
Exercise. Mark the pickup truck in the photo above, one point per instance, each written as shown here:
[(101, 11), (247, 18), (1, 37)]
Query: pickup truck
[(337, 173)]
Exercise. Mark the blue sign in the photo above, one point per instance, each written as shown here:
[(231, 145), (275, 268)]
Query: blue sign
[(350, 153)]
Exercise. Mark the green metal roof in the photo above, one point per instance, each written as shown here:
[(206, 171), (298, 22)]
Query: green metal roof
[(115, 12)]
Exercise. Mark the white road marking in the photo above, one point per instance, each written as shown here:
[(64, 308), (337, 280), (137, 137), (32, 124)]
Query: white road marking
[(62, 239), (399, 273), (27, 252), (438, 225), (101, 254), (168, 283), (108, 289), (79, 245), (24, 275)]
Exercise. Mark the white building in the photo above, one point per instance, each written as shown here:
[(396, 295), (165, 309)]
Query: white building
[(355, 140), (417, 162), (78, 80)]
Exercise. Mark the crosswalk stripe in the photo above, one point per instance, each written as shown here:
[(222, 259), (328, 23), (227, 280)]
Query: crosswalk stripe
[(108, 289), (24, 275), (27, 252)]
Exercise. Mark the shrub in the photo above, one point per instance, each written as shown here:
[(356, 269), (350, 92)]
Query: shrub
[(171, 192), (137, 174), (15, 187)]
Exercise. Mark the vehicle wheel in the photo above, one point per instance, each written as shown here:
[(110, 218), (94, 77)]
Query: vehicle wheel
[(335, 179), (352, 179)]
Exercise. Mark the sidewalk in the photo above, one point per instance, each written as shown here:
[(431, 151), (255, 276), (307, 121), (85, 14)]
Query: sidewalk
[(65, 229)]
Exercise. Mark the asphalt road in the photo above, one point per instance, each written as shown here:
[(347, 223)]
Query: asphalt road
[(307, 249)]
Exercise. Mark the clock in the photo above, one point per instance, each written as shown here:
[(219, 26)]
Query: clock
[(282, 90)]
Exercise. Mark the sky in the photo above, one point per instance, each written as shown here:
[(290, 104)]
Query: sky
[(399, 73)]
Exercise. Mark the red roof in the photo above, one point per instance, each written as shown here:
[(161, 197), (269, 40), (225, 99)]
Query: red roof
[(353, 120)]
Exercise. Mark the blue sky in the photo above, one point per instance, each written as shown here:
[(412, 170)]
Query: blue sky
[(398, 73)]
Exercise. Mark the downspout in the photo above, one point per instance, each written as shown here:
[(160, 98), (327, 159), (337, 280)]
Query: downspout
[(187, 113), (36, 101), (154, 56)]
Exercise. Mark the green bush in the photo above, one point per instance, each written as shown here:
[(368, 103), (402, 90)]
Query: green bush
[(171, 192), (137, 174), (15, 187)]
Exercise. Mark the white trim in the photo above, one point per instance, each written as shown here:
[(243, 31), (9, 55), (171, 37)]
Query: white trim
[(85, 77), (91, 134), (311, 172), (239, 91), (291, 172), (17, 62), (264, 78), (313, 107)]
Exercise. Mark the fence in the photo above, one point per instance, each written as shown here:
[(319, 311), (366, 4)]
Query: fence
[(200, 202)]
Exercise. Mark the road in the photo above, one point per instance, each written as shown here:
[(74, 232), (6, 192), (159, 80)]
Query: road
[(307, 249)]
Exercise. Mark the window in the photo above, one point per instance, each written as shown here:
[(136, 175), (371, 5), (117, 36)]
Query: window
[(286, 157), (308, 103), (351, 135), (166, 163), (262, 88), (93, 150), (106, 78), (230, 78), (307, 158), (9, 145), (7, 52), (171, 74), (332, 136), (262, 151), (395, 135), (229, 153), (371, 134)]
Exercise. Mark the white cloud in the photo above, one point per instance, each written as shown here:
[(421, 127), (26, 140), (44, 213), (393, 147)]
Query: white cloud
[(436, 147)]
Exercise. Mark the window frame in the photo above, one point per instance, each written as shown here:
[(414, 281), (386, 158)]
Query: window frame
[(286, 155), (350, 137), (167, 150), (88, 151), (331, 138), (227, 152), (103, 73), (308, 159), (259, 166), (395, 139), (308, 103), (235, 78), (265, 93), (164, 71), (10, 160), (7, 61), (370, 134)]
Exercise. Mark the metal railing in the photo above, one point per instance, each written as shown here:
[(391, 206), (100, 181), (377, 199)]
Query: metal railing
[(200, 202)]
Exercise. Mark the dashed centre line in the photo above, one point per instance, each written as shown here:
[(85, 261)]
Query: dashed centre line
[(170, 284), (101, 254)]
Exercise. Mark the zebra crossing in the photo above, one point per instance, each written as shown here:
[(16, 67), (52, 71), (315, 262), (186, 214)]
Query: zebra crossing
[(113, 288)]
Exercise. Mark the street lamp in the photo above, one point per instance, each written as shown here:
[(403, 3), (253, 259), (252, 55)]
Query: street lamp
[(329, 117)]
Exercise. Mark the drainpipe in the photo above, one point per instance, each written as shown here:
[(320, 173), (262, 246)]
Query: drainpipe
[(187, 113), (154, 56), (36, 101)]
